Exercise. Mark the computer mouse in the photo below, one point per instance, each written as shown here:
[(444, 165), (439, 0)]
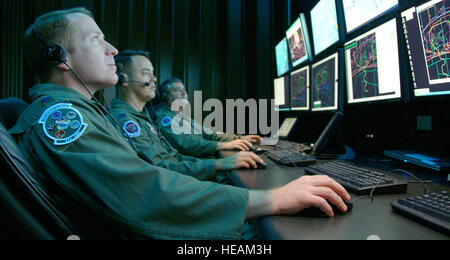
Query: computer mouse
[(257, 151), (314, 212), (261, 166)]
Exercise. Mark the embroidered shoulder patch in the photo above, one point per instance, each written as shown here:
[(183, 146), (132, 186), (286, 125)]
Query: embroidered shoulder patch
[(62, 124), (132, 129), (166, 121)]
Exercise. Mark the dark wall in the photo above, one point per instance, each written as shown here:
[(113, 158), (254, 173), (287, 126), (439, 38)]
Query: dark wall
[(222, 47)]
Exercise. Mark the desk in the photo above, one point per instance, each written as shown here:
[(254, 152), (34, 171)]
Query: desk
[(366, 219)]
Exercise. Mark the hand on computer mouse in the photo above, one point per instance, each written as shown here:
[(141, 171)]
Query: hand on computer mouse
[(314, 212), (310, 191), (241, 160)]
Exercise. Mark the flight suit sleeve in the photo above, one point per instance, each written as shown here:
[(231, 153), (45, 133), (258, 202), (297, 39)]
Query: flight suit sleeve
[(151, 145), (102, 170), (190, 144)]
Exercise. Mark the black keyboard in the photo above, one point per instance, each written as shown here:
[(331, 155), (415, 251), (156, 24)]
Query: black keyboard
[(432, 210), (292, 159), (359, 180), (291, 146)]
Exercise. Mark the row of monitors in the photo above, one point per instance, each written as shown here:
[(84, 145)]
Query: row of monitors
[(372, 64), (295, 49)]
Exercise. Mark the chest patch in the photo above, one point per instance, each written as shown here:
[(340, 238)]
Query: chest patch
[(62, 124), (166, 121), (132, 129)]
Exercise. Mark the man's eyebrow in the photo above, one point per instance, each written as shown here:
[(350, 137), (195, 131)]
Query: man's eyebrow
[(95, 31)]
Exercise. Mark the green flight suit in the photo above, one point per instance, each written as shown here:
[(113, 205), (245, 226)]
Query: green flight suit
[(140, 128), (104, 188), (200, 145)]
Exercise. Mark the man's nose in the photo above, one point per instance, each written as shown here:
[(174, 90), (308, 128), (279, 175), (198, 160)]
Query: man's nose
[(111, 50)]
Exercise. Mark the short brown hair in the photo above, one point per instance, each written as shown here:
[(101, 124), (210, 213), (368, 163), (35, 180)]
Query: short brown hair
[(52, 27)]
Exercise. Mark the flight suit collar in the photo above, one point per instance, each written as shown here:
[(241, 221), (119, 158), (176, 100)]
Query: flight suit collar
[(124, 106), (53, 90)]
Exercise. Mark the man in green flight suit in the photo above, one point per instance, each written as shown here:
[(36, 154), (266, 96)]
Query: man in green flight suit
[(200, 142), (98, 180), (137, 87)]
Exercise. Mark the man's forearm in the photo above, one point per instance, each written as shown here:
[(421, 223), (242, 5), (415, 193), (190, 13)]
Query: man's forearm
[(260, 204)]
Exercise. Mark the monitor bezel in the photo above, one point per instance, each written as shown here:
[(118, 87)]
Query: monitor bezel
[(337, 80), (348, 80), (316, 53), (308, 89)]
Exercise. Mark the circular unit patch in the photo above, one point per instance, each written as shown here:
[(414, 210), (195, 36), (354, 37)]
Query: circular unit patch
[(132, 129), (166, 121), (62, 124)]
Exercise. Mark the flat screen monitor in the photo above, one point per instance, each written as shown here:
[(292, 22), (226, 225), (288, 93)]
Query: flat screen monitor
[(372, 65), (282, 57), (281, 91), (286, 127), (300, 89), (325, 84), (427, 34), (360, 12), (298, 42), (325, 29)]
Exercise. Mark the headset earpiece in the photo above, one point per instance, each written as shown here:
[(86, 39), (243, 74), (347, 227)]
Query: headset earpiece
[(55, 53), (122, 79)]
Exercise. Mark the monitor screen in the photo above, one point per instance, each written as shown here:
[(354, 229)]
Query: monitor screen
[(372, 65), (300, 89), (325, 84), (428, 40), (286, 127), (281, 90), (325, 29), (282, 57), (359, 12), (298, 42)]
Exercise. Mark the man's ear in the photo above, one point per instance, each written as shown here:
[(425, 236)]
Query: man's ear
[(63, 66)]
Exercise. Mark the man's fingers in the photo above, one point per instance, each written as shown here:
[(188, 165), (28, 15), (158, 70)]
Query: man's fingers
[(325, 181), (256, 158), (331, 196), (323, 205)]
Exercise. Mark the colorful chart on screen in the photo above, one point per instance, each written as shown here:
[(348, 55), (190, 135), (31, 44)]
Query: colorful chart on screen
[(372, 65), (298, 43), (300, 89), (427, 35), (325, 84)]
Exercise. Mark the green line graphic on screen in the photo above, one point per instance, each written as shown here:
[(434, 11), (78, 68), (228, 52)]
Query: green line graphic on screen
[(435, 29), (323, 85), (365, 67), (299, 89)]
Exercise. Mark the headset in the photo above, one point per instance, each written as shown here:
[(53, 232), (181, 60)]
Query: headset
[(56, 53), (123, 80)]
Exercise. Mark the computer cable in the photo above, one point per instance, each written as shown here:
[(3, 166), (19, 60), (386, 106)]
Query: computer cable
[(388, 174)]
